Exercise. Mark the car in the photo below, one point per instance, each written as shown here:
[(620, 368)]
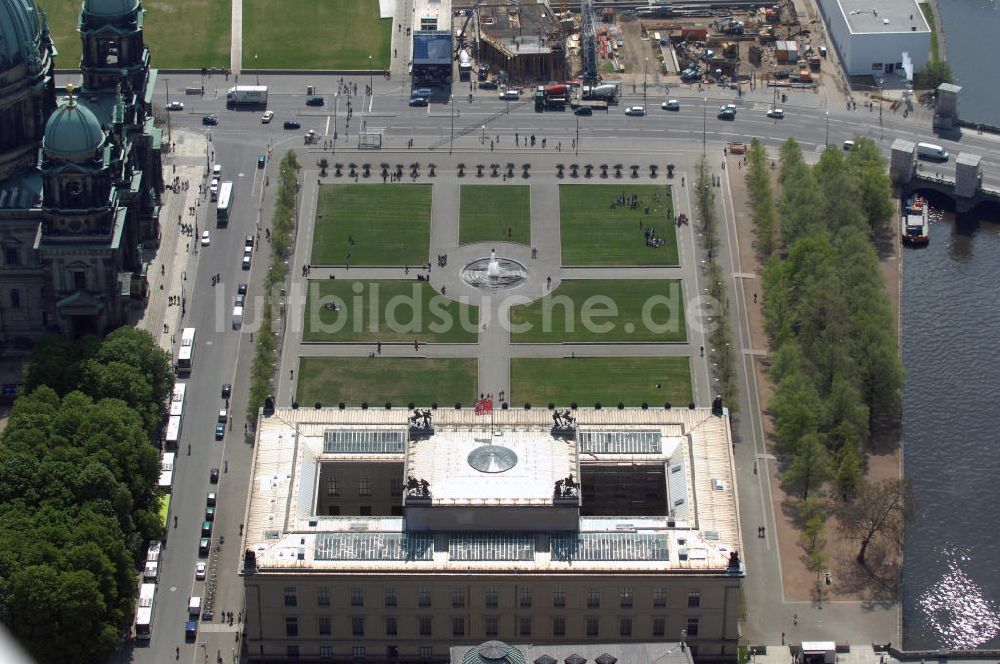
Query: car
[(204, 545), (199, 572), (213, 476), (267, 117), (223, 415), (217, 172), (292, 124), (776, 113), (488, 85), (206, 528), (418, 101), (227, 389), (635, 110), (261, 160), (242, 288), (848, 145), (510, 95), (671, 105), (175, 106), (583, 110), (191, 630), (205, 239), (209, 514), (220, 430), (246, 261), (727, 114), (691, 74), (211, 498), (248, 241), (240, 301), (214, 188), (315, 101), (210, 120)]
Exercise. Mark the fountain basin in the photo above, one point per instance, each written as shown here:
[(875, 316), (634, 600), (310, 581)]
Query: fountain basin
[(494, 274)]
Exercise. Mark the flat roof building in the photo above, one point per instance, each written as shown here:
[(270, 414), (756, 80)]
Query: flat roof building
[(372, 534), (878, 38)]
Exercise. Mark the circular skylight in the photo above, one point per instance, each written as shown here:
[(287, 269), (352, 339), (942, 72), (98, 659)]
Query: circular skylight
[(492, 459)]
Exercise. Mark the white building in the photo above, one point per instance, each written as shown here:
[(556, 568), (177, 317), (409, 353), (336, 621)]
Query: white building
[(878, 37)]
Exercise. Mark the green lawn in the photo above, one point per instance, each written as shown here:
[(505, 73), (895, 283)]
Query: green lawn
[(603, 310), (608, 380), (403, 311), (180, 34), (315, 34), (396, 380), (490, 211), (389, 225), (595, 233)]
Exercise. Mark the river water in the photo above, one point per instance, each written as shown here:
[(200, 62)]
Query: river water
[(970, 32), (951, 433)]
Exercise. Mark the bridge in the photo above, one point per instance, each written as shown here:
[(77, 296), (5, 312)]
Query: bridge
[(965, 189)]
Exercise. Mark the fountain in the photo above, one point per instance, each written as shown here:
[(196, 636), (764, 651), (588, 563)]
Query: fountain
[(494, 273)]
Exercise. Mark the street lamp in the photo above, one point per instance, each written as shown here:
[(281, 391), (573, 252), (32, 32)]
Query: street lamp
[(256, 68), (482, 138), (828, 127), (881, 133), (645, 65), (169, 133), (370, 79), (704, 127), (576, 149), (451, 141)]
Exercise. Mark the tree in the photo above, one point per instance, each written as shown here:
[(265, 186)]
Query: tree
[(880, 509), (934, 73), (137, 348), (810, 466), (848, 475), (795, 408), (55, 361)]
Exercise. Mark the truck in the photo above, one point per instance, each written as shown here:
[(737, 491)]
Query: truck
[(551, 97), (464, 65), (592, 104), (247, 94), (606, 91)]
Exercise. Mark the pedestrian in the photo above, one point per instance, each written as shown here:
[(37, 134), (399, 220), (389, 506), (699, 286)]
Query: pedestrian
[(702, 348), (754, 467), (795, 620), (291, 373), (755, 298), (379, 346), (782, 638)]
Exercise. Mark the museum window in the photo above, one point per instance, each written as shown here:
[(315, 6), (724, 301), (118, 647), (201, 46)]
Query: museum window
[(390, 596), (593, 598), (358, 625), (659, 598), (425, 625), (694, 599), (524, 626), (625, 626), (333, 510), (291, 626), (426, 653), (357, 596), (326, 652), (558, 598), (626, 598), (80, 280), (365, 510), (458, 626), (15, 298), (491, 625), (593, 627), (396, 486), (331, 487), (390, 625), (525, 598), (292, 652), (358, 652), (458, 598), (876, 66), (558, 626), (424, 598), (323, 596), (364, 486), (291, 599), (324, 626), (491, 597), (11, 256), (659, 626), (692, 627)]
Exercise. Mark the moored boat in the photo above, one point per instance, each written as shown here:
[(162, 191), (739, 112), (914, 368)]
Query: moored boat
[(914, 222)]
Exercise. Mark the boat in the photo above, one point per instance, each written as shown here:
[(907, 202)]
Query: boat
[(914, 222)]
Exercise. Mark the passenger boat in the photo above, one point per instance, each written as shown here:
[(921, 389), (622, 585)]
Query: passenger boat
[(914, 223)]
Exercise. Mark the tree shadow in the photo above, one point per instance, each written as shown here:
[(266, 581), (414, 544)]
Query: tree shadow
[(878, 581)]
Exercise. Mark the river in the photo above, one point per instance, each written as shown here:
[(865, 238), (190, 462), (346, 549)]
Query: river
[(951, 433), (970, 32)]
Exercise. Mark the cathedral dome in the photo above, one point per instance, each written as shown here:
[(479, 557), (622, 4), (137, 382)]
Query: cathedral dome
[(110, 8), (20, 32), (72, 133)]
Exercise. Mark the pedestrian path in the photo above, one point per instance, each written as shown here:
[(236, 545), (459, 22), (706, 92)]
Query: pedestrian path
[(236, 38)]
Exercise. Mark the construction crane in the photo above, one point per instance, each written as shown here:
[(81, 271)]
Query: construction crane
[(588, 43), (468, 17)]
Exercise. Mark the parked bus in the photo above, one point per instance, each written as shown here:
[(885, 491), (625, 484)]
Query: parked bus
[(177, 400), (144, 613), (173, 437), (185, 356), (225, 203), (167, 472)]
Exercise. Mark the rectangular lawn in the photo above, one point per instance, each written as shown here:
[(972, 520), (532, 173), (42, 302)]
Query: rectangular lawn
[(316, 34), (180, 34), (490, 211), (389, 225), (387, 311), (595, 232), (603, 311), (395, 380), (608, 380)]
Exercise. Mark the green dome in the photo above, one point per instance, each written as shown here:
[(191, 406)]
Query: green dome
[(72, 133), (110, 7), (20, 32)]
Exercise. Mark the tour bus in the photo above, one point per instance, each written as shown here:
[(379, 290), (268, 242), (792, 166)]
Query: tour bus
[(167, 471), (177, 400), (185, 356), (173, 436), (225, 203), (144, 613)]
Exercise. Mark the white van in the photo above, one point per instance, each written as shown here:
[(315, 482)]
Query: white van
[(931, 152), (194, 606), (237, 317), (217, 172), (510, 95)]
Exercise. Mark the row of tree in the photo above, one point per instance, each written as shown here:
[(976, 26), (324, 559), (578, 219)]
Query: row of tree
[(78, 492), (835, 359), (282, 242)]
